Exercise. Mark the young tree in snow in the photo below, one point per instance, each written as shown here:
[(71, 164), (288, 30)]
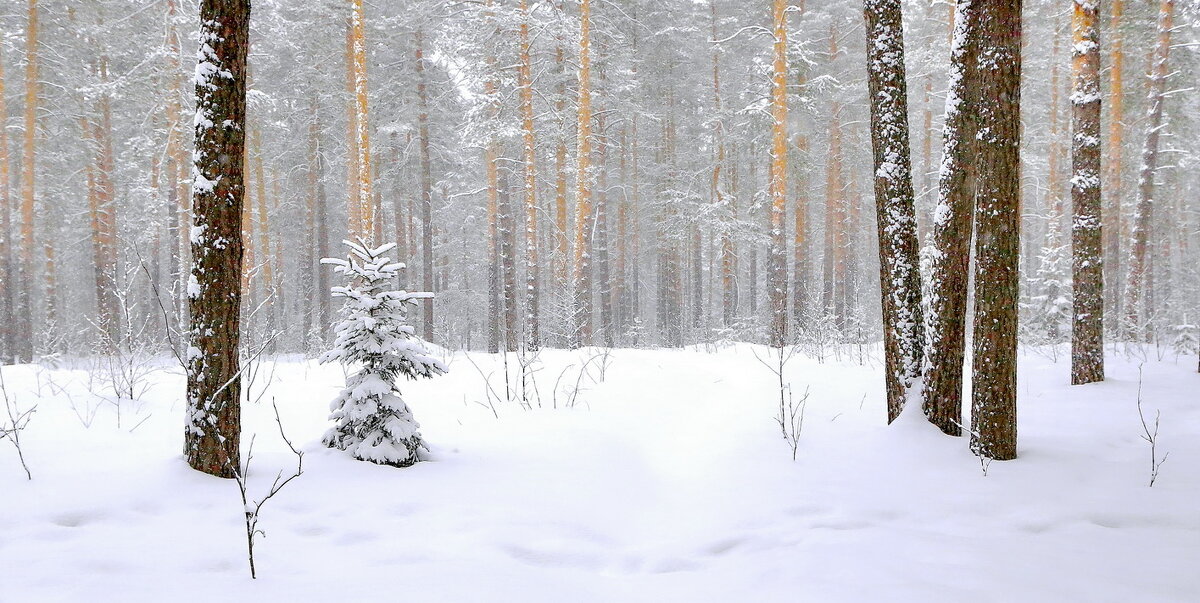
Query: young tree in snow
[(998, 229), (1138, 272), (371, 420), (953, 219), (900, 277), (213, 429), (1087, 333)]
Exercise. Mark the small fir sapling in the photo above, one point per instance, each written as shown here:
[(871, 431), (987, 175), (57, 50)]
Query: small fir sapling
[(372, 421)]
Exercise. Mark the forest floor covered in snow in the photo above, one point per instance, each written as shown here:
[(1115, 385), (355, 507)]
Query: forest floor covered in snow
[(668, 480)]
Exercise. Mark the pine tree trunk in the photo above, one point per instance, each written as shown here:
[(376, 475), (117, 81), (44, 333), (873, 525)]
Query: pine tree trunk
[(777, 188), (998, 224), (213, 422), (953, 219), (1113, 186), (365, 229), (562, 242), (900, 277), (1087, 339), (532, 267), (104, 218), (426, 187), (1137, 285), (23, 346), (508, 266), (6, 223), (582, 332)]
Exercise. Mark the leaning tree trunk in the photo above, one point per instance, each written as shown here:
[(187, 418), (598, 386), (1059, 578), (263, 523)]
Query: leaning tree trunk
[(998, 226), (953, 220), (1087, 333), (213, 422), (900, 277), (1144, 212)]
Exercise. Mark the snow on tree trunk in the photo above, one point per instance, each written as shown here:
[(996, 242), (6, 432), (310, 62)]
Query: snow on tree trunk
[(998, 229), (1087, 333), (23, 347), (529, 155), (213, 428), (900, 277), (950, 251), (371, 420)]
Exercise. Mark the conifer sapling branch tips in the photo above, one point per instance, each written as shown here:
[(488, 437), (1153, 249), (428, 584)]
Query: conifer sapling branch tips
[(371, 419)]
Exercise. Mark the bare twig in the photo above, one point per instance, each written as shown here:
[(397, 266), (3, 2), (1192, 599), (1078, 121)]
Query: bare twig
[(18, 420), (253, 507), (1150, 436)]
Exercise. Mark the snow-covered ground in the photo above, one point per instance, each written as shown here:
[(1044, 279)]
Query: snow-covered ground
[(668, 481)]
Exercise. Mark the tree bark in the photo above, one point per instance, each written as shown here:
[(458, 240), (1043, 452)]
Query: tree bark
[(426, 187), (1087, 333), (532, 266), (23, 347), (953, 220), (213, 422), (998, 224), (900, 278)]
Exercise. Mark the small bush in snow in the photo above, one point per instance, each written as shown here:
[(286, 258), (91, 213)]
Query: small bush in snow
[(371, 420)]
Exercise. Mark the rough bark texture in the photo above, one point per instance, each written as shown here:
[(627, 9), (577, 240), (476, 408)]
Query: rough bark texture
[(900, 278), (1143, 218), (213, 421), (777, 284), (1087, 333), (998, 225), (953, 220), (104, 216)]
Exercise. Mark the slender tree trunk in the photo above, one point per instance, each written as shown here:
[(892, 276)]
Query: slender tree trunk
[(426, 186), (104, 218), (532, 267), (600, 241), (213, 421), (900, 278), (365, 229), (777, 188), (508, 266), (23, 347), (562, 246), (1113, 186), (582, 332), (1137, 284), (7, 339), (953, 220), (994, 378), (1087, 339)]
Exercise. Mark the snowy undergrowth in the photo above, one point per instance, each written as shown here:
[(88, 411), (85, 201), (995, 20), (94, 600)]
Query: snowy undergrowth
[(669, 481)]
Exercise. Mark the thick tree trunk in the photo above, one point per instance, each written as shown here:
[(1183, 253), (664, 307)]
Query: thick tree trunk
[(953, 219), (998, 222), (1137, 284), (900, 278), (1087, 333), (213, 422)]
